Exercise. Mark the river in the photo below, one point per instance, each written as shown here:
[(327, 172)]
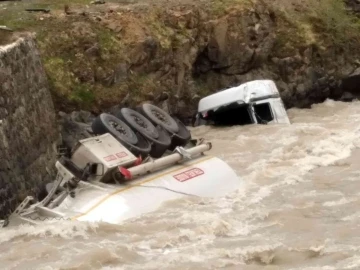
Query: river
[(299, 208)]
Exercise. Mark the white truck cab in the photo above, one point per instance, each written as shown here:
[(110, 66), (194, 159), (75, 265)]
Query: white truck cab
[(254, 102)]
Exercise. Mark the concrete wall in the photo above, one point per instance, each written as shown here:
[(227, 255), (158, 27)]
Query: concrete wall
[(28, 129)]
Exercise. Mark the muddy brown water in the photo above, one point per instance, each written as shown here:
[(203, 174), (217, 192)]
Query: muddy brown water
[(299, 208)]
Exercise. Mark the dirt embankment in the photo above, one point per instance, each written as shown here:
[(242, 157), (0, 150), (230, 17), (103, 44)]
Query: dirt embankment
[(96, 55)]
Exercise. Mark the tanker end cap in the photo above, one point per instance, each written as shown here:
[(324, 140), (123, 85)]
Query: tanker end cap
[(209, 144)]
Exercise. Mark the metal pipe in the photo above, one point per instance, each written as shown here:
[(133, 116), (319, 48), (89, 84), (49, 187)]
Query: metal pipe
[(168, 160)]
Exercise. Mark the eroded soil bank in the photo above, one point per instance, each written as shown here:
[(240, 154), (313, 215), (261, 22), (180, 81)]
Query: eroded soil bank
[(98, 55)]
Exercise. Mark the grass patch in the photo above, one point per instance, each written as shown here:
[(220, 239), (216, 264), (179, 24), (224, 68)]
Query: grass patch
[(160, 31), (325, 23), (111, 47), (59, 75), (14, 15), (83, 94), (330, 18), (220, 7), (74, 72)]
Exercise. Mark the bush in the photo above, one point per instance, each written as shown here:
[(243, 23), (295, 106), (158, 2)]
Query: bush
[(330, 18)]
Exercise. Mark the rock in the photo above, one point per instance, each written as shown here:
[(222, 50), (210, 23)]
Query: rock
[(165, 106), (301, 90), (97, 2), (162, 97), (100, 75), (93, 50), (308, 55), (119, 75), (150, 96), (351, 82), (5, 28), (67, 10), (347, 97), (82, 117), (356, 72), (124, 103), (75, 126), (354, 6), (195, 98)]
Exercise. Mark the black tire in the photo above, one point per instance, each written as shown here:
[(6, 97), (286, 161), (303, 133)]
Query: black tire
[(107, 123), (182, 137), (138, 122), (160, 117)]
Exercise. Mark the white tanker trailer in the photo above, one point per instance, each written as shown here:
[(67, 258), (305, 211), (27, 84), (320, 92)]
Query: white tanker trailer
[(136, 160)]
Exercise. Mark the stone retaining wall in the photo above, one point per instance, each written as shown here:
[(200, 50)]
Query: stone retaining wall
[(28, 129)]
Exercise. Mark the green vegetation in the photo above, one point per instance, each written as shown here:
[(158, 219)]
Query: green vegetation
[(79, 77), (220, 7), (323, 23), (330, 18)]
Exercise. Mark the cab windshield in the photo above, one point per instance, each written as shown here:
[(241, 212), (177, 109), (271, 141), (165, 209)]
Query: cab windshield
[(229, 115)]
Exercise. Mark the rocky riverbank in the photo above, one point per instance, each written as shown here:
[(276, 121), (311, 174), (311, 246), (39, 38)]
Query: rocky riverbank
[(98, 55)]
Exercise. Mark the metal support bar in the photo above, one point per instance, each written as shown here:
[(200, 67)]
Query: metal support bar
[(44, 211), (57, 183), (58, 199), (23, 205)]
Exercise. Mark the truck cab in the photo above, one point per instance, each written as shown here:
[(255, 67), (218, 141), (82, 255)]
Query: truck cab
[(254, 102)]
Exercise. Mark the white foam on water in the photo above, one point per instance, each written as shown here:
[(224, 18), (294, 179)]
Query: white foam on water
[(66, 230), (351, 263), (326, 267), (342, 201), (352, 217), (279, 215)]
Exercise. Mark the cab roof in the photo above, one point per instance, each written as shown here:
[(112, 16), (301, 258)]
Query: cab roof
[(241, 94)]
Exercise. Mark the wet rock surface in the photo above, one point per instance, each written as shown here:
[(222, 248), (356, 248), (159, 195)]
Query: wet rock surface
[(208, 54), (74, 127), (354, 6)]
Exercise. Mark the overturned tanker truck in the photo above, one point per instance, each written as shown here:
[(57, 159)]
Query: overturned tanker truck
[(135, 161)]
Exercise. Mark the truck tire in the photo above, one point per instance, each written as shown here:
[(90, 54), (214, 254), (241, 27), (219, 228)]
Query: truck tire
[(136, 143), (107, 123), (158, 137), (159, 117), (138, 122), (182, 137)]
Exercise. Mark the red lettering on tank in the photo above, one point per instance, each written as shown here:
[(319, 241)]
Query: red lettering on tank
[(189, 174), (121, 154), (110, 158)]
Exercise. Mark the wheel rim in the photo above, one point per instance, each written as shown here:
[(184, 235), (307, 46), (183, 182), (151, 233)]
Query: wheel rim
[(140, 122), (161, 117), (118, 128)]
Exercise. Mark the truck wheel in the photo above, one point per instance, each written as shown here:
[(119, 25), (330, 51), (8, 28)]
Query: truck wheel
[(107, 123), (138, 122), (160, 117)]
